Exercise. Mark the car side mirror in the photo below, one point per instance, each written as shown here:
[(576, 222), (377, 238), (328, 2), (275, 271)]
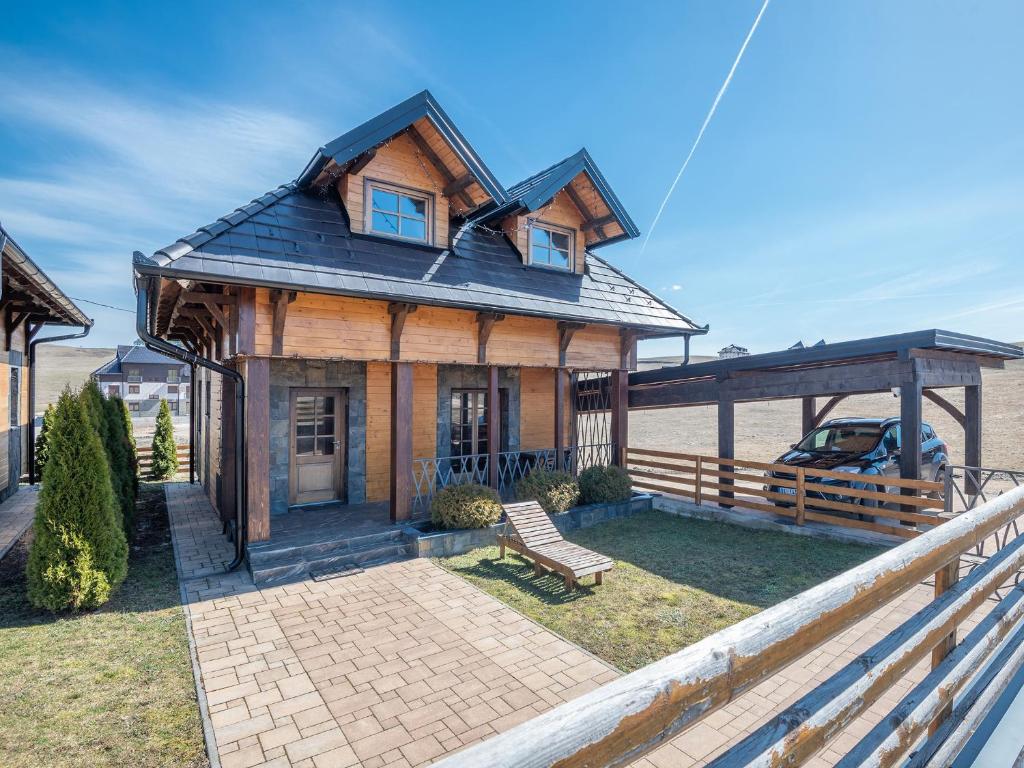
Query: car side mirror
[(793, 445)]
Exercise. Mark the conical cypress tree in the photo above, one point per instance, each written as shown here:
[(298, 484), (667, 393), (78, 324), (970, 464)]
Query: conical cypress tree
[(42, 440), (133, 451), (120, 461), (92, 402), (165, 452), (79, 554)]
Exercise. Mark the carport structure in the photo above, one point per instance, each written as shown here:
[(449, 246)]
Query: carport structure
[(915, 365)]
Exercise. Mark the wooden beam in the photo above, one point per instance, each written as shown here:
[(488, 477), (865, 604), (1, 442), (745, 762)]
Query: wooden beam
[(493, 426), (484, 324), (232, 325), (620, 415), (401, 441), (726, 436), (399, 311), (440, 167), (972, 426), (947, 406), (627, 348), (584, 210), (360, 162), (826, 409), (561, 385), (201, 297), (598, 223), (280, 300), (806, 415), (457, 185), (247, 321), (565, 333), (257, 437)]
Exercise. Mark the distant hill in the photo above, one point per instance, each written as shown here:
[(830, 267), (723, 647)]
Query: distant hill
[(60, 366)]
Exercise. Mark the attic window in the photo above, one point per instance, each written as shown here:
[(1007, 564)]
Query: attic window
[(396, 212), (550, 247)]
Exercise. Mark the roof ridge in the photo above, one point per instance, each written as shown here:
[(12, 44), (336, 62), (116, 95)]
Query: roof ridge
[(206, 233), (650, 294)]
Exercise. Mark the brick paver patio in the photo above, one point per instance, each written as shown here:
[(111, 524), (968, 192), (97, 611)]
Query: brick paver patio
[(404, 663), (16, 514)]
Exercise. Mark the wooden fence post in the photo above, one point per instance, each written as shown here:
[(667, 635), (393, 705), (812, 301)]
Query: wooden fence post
[(800, 495), (697, 494), (944, 579)]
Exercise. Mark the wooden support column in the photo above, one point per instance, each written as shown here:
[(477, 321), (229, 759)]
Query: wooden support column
[(227, 450), (808, 414), (257, 438), (726, 437), (247, 321), (620, 415), (910, 429), (493, 426), (401, 441), (972, 431), (561, 384), (627, 349), (399, 311)]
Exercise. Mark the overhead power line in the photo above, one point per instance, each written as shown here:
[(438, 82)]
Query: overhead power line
[(700, 134), (98, 304)]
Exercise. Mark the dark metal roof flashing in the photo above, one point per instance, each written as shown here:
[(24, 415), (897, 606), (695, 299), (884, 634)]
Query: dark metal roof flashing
[(381, 128)]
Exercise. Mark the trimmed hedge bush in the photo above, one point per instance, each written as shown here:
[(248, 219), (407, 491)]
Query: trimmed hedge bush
[(165, 452), (79, 554), (465, 506), (556, 491), (603, 485)]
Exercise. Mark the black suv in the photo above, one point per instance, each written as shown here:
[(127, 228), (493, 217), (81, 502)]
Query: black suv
[(863, 447)]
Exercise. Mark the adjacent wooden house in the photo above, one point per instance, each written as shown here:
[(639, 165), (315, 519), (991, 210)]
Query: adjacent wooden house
[(401, 320), (29, 301)]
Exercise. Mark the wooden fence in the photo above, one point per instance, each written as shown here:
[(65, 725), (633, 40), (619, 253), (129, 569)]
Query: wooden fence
[(628, 717), (146, 458), (797, 493)]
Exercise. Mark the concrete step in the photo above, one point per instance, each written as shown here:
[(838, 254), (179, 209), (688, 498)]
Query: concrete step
[(282, 568), (271, 552)]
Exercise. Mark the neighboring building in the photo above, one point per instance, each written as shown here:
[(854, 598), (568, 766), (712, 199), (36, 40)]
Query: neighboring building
[(733, 350), (142, 378), (29, 301), (398, 317)]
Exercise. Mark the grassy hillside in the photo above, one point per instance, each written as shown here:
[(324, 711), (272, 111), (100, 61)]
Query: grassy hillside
[(60, 366)]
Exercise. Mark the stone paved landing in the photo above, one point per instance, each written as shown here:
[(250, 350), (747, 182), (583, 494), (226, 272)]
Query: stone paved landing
[(395, 666), (16, 515)]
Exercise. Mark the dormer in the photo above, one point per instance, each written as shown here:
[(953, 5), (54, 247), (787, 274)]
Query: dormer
[(555, 216), (405, 174)]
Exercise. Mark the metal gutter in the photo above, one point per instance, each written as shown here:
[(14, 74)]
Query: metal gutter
[(144, 285), (32, 392)]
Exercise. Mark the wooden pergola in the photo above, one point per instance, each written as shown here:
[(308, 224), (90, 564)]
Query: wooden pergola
[(914, 365)]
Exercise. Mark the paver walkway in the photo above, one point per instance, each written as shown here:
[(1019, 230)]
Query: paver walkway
[(395, 666), (406, 662), (16, 514)]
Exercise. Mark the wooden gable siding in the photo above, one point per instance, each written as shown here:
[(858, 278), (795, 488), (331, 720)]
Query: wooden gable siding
[(596, 208), (378, 423), (560, 212), (320, 326), (400, 163), (445, 154)]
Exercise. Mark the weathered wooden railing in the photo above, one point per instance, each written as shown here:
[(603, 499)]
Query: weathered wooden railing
[(626, 718), (839, 498)]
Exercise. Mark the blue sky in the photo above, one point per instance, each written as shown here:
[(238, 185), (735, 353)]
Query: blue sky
[(864, 173)]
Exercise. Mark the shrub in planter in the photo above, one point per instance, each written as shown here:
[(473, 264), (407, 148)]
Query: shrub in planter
[(603, 485), (79, 554), (465, 506), (165, 452), (556, 491)]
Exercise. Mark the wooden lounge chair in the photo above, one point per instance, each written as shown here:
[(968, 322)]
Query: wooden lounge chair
[(530, 532)]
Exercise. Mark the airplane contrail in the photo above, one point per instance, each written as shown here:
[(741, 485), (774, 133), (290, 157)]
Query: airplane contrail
[(700, 134)]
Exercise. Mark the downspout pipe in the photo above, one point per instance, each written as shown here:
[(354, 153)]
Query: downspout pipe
[(32, 392), (144, 285), (192, 425)]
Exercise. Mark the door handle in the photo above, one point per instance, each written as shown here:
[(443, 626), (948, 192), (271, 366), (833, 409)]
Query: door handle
[(337, 444)]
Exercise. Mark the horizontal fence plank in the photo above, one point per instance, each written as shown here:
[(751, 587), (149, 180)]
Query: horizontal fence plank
[(660, 454), (664, 489), (662, 476), (662, 465), (626, 718)]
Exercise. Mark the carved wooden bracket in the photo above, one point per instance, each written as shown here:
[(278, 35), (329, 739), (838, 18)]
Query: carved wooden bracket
[(281, 300), (399, 311), (484, 323), (565, 333)]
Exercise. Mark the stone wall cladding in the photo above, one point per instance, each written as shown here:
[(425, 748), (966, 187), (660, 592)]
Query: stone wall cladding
[(451, 377), (347, 375)]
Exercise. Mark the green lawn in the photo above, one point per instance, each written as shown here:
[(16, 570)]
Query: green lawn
[(109, 688), (675, 582)]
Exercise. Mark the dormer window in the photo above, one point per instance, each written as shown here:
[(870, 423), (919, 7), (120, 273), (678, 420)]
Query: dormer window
[(551, 246), (398, 212)]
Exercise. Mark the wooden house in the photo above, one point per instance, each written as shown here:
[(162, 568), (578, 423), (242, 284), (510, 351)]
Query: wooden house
[(29, 301), (401, 320)]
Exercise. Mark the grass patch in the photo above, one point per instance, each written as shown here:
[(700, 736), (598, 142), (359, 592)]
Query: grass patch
[(675, 581), (111, 687)]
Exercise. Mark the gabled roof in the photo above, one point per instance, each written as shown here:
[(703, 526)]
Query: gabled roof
[(535, 192), (373, 132), (136, 354), (298, 240), (48, 302)]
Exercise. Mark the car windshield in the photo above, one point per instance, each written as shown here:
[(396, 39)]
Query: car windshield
[(845, 438)]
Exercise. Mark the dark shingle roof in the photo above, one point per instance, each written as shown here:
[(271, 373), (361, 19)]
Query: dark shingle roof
[(137, 355), (298, 240)]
